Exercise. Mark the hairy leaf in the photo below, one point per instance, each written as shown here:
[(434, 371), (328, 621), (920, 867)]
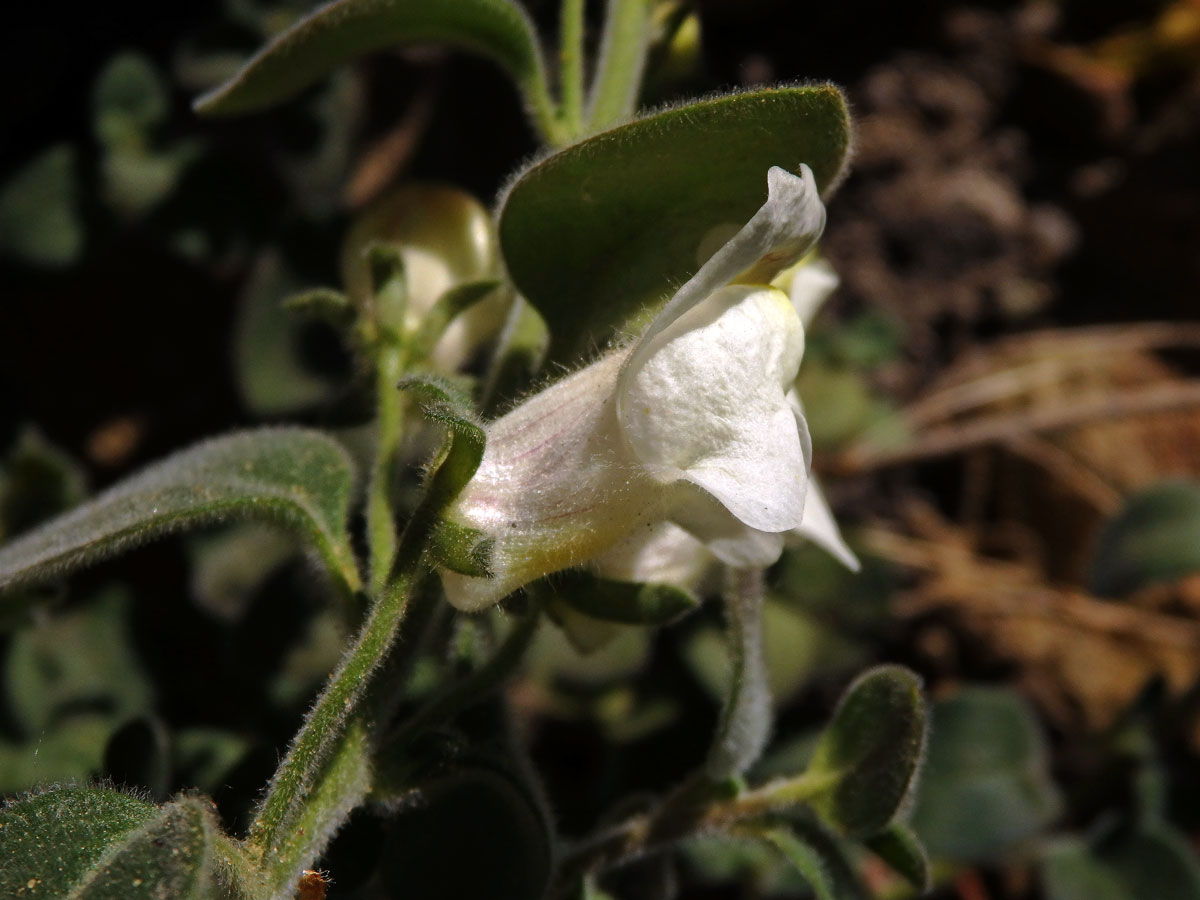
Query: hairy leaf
[(340, 31), (86, 843), (600, 233), (870, 752), (987, 782), (293, 477)]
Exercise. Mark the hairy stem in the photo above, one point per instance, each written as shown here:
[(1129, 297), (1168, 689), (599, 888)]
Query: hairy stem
[(691, 810), (381, 526), (620, 64), (571, 66), (746, 719), (291, 788)]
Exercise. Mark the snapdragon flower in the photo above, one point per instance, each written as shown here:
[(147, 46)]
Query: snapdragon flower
[(691, 424)]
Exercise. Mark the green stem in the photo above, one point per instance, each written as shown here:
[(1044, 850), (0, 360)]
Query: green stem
[(746, 719), (290, 789), (690, 810), (621, 63), (571, 64), (381, 526)]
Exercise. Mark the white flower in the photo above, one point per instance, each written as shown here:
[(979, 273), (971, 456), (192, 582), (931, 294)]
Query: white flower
[(691, 424)]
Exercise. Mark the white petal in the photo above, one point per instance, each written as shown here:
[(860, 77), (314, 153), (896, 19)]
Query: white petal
[(821, 528), (556, 486), (781, 232), (663, 553), (812, 282), (708, 404), (730, 540)]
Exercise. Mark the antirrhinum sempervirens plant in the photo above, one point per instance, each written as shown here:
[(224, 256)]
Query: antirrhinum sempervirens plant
[(672, 464)]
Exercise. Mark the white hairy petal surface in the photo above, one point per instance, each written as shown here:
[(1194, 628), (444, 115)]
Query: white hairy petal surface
[(708, 405)]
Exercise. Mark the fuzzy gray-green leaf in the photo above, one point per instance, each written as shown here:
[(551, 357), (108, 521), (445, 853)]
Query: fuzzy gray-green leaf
[(340, 31), (1155, 537), (293, 477), (987, 784), (84, 843), (901, 849), (602, 231), (870, 752)]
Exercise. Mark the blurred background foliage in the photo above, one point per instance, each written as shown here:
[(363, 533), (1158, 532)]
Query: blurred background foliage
[(1002, 397)]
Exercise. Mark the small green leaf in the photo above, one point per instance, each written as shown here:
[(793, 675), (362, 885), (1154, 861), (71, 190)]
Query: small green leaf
[(73, 662), (272, 377), (128, 100), (987, 783), (901, 849), (869, 754), (37, 481), (1155, 537), (622, 601), (72, 751), (203, 757), (806, 859), (596, 234), (345, 29), (1155, 860), (1070, 871), (39, 220), (229, 566), (327, 304), (293, 477)]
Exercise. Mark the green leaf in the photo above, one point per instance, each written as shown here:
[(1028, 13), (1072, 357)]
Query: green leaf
[(1155, 860), (901, 849), (229, 566), (987, 783), (73, 662), (596, 234), (98, 844), (39, 220), (1155, 537), (52, 839), (293, 477), (867, 758), (345, 29), (1070, 871), (37, 481), (128, 100), (72, 751), (1149, 859), (622, 601), (271, 375), (806, 859)]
